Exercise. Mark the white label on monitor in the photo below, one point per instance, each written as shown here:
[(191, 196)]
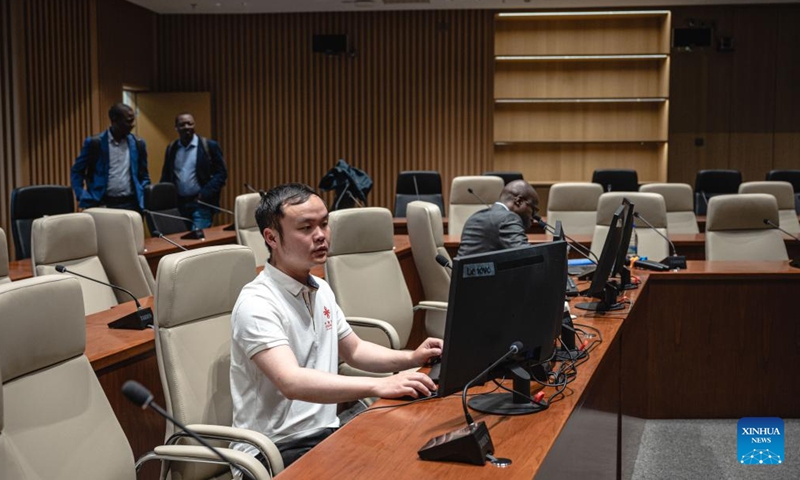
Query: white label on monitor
[(479, 270)]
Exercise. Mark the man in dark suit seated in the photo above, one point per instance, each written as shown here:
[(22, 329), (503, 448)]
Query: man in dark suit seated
[(503, 225)]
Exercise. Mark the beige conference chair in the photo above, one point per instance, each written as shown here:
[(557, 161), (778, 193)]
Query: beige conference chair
[(486, 191), (784, 195), (247, 232), (195, 293), (575, 205), (425, 232), (735, 228), (648, 205), (120, 246), (679, 199), (365, 275), (4, 278), (55, 419), (70, 240)]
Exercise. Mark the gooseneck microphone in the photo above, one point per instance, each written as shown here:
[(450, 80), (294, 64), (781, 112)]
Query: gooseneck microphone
[(673, 261), (472, 192), (140, 396), (138, 320), (250, 187), (585, 252), (442, 260), (796, 261), (471, 444), (772, 224), (168, 240), (194, 234), (214, 207)]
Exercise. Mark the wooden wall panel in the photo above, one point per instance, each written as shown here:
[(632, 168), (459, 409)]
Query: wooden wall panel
[(416, 94), (126, 52), (50, 48), (9, 169), (742, 106)]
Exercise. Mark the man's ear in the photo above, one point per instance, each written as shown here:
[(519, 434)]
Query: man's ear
[(271, 237)]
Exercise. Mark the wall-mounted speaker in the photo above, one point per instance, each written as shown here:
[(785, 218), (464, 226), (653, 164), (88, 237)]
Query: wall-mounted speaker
[(693, 37), (329, 44)]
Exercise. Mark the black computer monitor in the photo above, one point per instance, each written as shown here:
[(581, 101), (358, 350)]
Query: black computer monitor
[(621, 268), (601, 287), (498, 298)]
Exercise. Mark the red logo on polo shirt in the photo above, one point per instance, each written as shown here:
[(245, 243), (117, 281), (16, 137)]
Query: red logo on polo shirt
[(327, 313)]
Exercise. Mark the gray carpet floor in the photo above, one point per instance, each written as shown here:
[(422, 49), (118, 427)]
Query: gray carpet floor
[(706, 449)]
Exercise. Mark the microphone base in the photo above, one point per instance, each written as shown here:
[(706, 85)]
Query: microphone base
[(194, 235), (470, 445), (138, 320), (675, 262)]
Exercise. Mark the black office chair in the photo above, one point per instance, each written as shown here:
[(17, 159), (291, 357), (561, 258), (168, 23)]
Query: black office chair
[(163, 198), (32, 202), (710, 183), (425, 185), (617, 179), (791, 176), (507, 177)]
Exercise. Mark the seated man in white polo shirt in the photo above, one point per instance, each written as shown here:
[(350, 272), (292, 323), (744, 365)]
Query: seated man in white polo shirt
[(288, 334)]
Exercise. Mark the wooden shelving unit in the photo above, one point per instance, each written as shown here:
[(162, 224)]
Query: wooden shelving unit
[(576, 91)]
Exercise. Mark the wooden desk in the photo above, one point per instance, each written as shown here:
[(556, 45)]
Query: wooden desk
[(155, 247), (384, 443), (121, 355), (718, 340), (692, 246)]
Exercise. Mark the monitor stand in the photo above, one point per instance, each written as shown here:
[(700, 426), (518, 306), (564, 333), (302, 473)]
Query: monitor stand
[(507, 403), (607, 303), (625, 279)]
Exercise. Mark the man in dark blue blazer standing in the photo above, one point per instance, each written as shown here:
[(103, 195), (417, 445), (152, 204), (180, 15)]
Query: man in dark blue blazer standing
[(196, 166), (503, 225), (112, 165)]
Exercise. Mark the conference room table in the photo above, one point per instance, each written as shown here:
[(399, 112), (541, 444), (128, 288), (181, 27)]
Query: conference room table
[(716, 340)]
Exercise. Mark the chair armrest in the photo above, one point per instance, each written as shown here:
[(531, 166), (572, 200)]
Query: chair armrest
[(431, 305), (199, 454), (231, 434), (385, 327)]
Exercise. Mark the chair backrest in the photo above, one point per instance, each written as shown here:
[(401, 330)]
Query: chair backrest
[(32, 202), (735, 228), (575, 205), (709, 183), (163, 198), (195, 293), (120, 246), (784, 195), (412, 185), (247, 232), (650, 206), (364, 273), (71, 240), (463, 204), (507, 177), (56, 421), (4, 278), (616, 179), (680, 206), (791, 176), (425, 232)]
